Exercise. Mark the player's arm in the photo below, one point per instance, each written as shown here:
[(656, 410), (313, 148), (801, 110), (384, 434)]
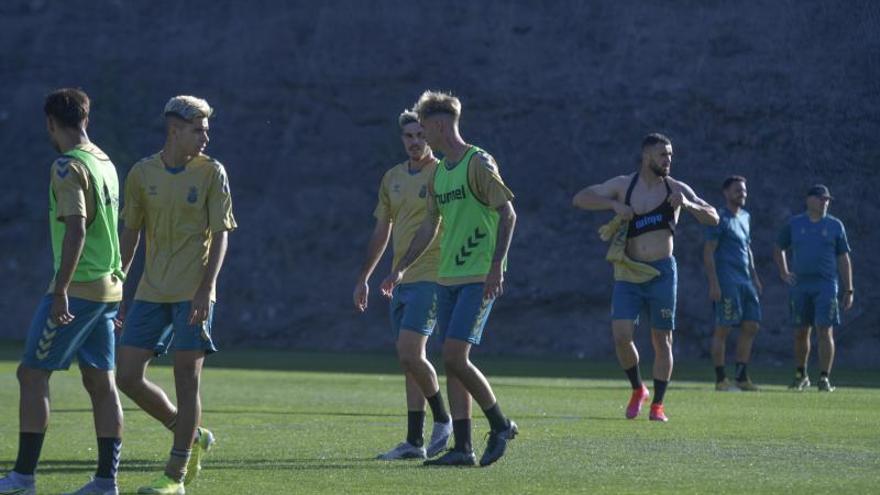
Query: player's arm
[(844, 269), (375, 249), (783, 242), (685, 198), (754, 271), (128, 244), (71, 250), (68, 184), (604, 196), (201, 303), (221, 222), (426, 233), (711, 274), (494, 286)]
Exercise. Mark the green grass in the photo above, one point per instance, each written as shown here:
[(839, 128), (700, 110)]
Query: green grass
[(312, 422)]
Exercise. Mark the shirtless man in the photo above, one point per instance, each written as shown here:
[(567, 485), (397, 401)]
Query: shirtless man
[(650, 201)]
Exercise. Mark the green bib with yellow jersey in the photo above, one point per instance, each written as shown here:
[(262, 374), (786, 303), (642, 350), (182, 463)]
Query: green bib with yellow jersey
[(100, 256), (470, 228)]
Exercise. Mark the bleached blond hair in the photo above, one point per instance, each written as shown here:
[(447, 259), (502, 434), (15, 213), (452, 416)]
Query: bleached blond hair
[(437, 102), (188, 108)]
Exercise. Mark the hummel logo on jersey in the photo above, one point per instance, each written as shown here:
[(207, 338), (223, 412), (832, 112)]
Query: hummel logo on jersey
[(454, 195), (152, 191)]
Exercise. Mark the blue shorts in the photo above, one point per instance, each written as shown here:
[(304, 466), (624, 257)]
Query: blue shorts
[(161, 327), (814, 303), (462, 312), (90, 336), (659, 294), (414, 308), (739, 303)]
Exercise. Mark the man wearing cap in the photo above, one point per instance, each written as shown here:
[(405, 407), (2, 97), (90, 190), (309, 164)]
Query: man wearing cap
[(180, 198), (820, 264)]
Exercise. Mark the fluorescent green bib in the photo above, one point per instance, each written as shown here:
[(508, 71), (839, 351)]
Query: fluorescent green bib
[(100, 256), (470, 228)]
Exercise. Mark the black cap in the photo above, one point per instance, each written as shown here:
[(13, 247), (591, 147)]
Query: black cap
[(820, 190)]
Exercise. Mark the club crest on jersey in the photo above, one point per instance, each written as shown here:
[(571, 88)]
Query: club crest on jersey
[(395, 188), (152, 191), (423, 191), (193, 195)]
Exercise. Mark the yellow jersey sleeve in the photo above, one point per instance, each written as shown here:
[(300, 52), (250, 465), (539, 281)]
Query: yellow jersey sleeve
[(383, 204), (70, 181), (133, 200), (220, 202), (486, 182)]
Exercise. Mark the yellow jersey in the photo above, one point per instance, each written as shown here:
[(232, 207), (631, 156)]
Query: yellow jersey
[(75, 196), (178, 209), (403, 200)]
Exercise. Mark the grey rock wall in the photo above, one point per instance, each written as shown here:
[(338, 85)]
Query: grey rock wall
[(561, 93)]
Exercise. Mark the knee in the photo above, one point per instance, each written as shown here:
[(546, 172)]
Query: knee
[(129, 381), (98, 384), (31, 379), (622, 339), (455, 363), (186, 374), (408, 361), (721, 333)]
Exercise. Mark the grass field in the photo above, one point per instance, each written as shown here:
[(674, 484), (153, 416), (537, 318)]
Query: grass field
[(312, 423)]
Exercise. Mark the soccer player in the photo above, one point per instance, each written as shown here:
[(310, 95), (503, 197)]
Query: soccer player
[(399, 212), (820, 263), (180, 198), (650, 201), (75, 317), (468, 195), (734, 285)]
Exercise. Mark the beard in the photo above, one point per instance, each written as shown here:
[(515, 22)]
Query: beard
[(659, 171)]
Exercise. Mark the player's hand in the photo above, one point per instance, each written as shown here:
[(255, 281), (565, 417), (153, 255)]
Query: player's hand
[(120, 316), (361, 295), (201, 306), (625, 211), (390, 282), (789, 278), (678, 200), (714, 292), (60, 311), (494, 286), (847, 301)]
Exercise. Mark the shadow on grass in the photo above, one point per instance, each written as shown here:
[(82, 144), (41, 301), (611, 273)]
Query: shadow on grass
[(152, 466), (493, 366)]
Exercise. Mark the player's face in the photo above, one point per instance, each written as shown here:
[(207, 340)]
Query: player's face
[(660, 159), (818, 204), (192, 137), (413, 138), (736, 193)]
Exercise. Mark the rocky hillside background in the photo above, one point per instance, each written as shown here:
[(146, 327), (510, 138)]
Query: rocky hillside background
[(307, 93)]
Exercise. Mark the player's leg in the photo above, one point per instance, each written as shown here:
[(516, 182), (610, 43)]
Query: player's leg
[(626, 304), (750, 315), (661, 293), (423, 387), (49, 347), (661, 340), (825, 338), (719, 339), (145, 334), (802, 316), (131, 377), (96, 362), (827, 316), (747, 333), (468, 322), (413, 446)]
